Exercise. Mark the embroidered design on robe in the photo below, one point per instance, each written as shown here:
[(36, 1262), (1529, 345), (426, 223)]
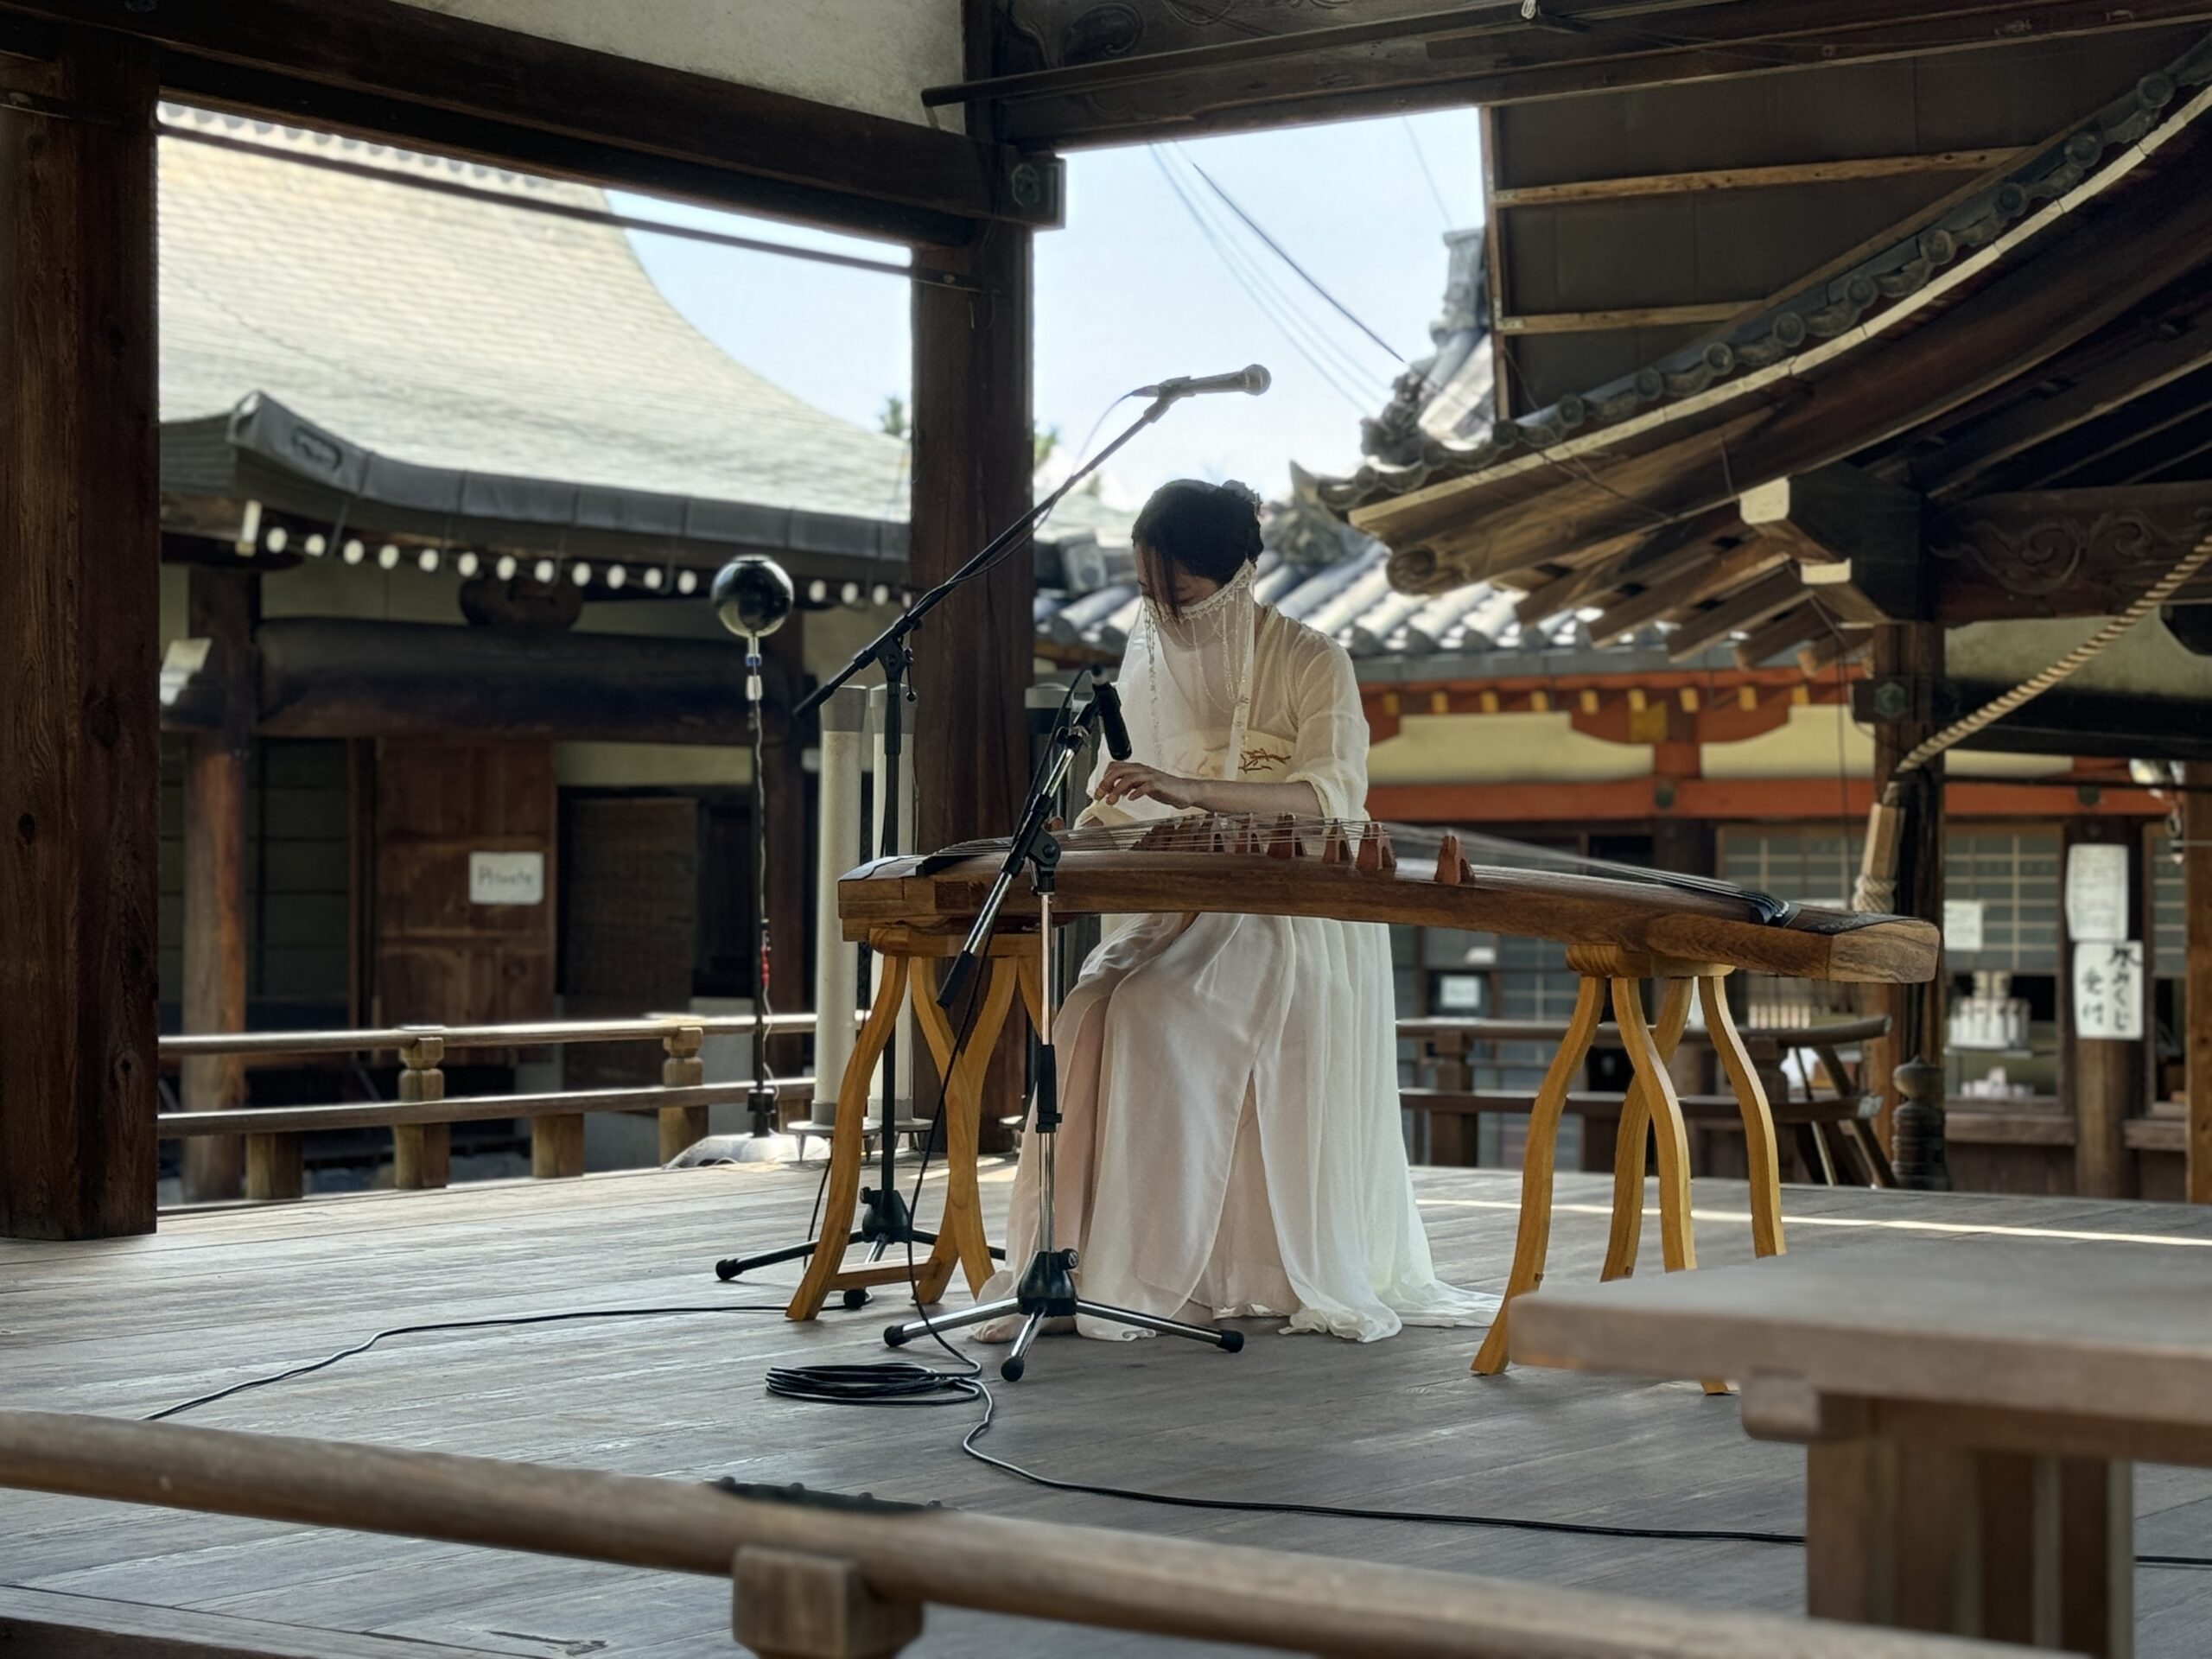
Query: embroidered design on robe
[(1260, 760)]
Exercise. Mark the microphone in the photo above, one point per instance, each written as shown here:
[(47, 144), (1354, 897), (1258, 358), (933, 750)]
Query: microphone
[(1252, 379), (751, 595), (1107, 701)]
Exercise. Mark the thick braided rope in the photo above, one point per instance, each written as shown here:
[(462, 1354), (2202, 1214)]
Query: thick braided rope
[(1999, 708)]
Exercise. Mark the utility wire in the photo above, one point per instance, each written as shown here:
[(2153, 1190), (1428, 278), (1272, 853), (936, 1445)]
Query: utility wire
[(1283, 254), (1343, 370), (1421, 159), (1330, 375)]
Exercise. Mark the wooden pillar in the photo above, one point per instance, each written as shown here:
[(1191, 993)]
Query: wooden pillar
[(2102, 1077), (971, 477), (221, 609), (1909, 656), (79, 641), (2196, 985)]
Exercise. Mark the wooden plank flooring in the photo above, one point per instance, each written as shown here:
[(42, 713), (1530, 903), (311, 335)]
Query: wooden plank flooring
[(132, 1325)]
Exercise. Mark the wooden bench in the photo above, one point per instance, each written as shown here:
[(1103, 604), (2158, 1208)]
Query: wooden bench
[(816, 1577), (1971, 1414)]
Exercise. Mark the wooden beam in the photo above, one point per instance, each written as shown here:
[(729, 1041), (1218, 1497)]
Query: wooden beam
[(2125, 433), (2100, 1077), (1793, 627), (1670, 552), (323, 677), (80, 609), (2107, 258), (1597, 322), (972, 468), (1856, 540), (1842, 646), (1912, 654), (418, 76), (1720, 574), (1746, 607), (1772, 177), (2196, 988), (2059, 553), (1970, 454), (220, 609), (1492, 56)]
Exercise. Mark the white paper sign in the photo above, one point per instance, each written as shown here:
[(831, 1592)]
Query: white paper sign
[(2096, 892), (1962, 924), (2108, 990), (507, 878), (1459, 994)]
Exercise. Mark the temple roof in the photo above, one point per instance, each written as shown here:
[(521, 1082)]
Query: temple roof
[(424, 360)]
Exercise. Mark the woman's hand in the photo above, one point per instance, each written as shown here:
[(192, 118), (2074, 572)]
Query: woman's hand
[(1133, 780)]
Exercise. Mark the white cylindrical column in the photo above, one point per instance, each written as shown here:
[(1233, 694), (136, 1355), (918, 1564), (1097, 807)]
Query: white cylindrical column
[(903, 1071), (836, 964)]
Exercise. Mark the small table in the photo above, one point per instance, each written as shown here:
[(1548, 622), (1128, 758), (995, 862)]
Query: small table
[(1971, 1412)]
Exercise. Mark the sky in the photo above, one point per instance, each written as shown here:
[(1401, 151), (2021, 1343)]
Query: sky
[(1136, 289)]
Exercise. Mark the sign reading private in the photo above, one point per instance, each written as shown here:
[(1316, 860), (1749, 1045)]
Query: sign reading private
[(507, 878)]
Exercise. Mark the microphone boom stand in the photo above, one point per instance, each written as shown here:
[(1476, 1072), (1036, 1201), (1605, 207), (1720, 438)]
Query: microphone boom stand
[(1047, 1287), (886, 1220)]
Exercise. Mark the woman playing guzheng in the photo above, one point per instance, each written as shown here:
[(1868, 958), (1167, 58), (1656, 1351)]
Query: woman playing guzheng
[(1230, 1143)]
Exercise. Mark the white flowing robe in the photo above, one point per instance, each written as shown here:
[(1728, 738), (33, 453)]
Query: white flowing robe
[(1230, 1143)]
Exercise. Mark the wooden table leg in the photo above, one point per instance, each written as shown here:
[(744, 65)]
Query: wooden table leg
[(1763, 1155), (849, 1142), (1532, 1235), (1669, 1133), (960, 1238), (1635, 1128)]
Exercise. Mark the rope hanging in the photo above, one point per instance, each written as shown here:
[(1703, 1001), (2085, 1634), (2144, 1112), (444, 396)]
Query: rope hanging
[(1957, 730), (1876, 891)]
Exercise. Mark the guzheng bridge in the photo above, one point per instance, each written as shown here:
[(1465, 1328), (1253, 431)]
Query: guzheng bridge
[(587, 767)]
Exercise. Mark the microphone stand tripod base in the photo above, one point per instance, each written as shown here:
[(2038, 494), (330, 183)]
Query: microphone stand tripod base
[(1047, 1292)]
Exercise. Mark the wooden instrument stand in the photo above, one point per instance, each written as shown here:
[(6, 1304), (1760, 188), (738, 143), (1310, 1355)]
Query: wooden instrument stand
[(1651, 1102), (909, 958)]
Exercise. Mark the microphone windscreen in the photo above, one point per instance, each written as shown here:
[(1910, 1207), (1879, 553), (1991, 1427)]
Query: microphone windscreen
[(752, 595), (1257, 380)]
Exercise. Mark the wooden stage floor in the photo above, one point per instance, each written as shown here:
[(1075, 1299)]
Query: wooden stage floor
[(128, 1327)]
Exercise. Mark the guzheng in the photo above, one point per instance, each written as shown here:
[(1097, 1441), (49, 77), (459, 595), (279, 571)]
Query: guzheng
[(1350, 871)]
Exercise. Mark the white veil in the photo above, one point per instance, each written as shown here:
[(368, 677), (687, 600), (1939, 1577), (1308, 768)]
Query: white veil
[(1185, 684)]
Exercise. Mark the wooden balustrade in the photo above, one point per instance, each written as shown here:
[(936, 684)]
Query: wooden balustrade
[(1834, 1132), (421, 1120), (821, 1575)]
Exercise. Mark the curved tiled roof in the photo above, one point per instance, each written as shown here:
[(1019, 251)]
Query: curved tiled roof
[(1332, 579), (453, 334), (1802, 321)]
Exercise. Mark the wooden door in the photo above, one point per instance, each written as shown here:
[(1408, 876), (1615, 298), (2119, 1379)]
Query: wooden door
[(629, 933), (460, 939)]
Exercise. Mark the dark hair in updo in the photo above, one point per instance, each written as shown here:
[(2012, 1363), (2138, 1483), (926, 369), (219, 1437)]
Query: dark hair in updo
[(1212, 530)]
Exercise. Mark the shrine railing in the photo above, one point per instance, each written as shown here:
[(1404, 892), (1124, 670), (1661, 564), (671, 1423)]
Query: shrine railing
[(421, 1119)]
